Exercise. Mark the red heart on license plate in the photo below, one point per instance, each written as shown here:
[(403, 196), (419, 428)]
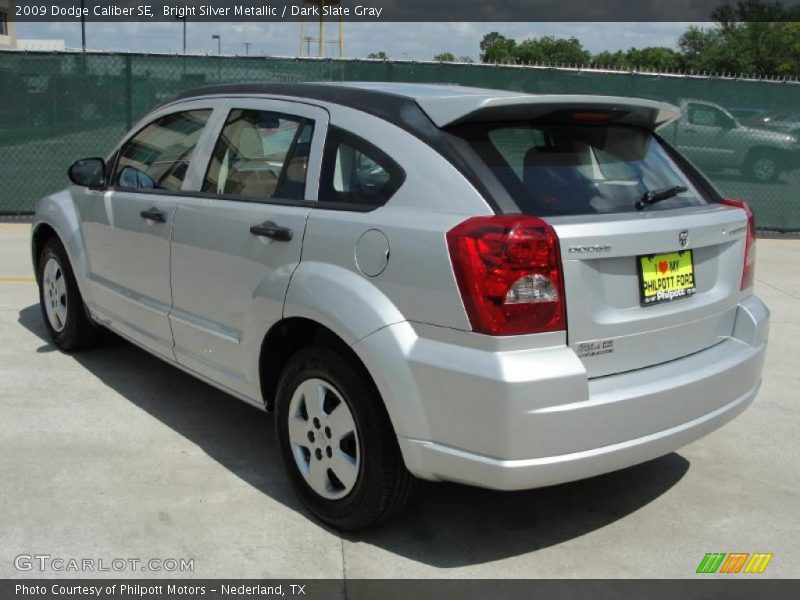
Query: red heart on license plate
[(662, 266)]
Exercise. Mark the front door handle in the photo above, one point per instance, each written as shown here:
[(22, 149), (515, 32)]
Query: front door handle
[(153, 214), (271, 230)]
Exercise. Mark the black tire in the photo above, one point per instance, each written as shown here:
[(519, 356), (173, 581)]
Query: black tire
[(383, 483), (764, 166), (79, 331)]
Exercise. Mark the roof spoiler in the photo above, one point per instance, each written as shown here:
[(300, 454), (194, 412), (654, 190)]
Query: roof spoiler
[(452, 110)]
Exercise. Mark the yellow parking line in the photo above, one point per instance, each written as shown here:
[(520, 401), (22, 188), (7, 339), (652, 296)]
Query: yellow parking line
[(17, 280)]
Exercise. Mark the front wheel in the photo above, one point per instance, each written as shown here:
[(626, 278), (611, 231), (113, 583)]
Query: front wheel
[(65, 316), (337, 442)]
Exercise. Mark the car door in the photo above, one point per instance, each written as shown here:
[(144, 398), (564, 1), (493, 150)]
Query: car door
[(127, 227), (237, 242)]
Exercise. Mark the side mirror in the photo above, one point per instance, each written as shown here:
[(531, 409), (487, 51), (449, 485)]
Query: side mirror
[(88, 172)]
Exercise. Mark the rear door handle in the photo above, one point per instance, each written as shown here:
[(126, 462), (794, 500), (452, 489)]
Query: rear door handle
[(271, 230), (153, 214)]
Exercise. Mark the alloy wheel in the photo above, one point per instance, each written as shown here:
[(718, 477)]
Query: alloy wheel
[(54, 288), (324, 439)]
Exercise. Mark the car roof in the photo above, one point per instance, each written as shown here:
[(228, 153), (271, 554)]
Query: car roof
[(450, 104)]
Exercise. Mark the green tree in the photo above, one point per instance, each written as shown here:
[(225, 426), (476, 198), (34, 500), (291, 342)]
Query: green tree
[(654, 58), (497, 48), (548, 49), (381, 55), (751, 37), (616, 60), (445, 57)]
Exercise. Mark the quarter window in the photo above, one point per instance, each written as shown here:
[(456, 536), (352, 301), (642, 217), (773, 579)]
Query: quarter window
[(356, 172), (157, 158), (261, 154)]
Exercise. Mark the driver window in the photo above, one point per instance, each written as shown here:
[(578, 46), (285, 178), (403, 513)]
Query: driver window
[(157, 158), (260, 154)]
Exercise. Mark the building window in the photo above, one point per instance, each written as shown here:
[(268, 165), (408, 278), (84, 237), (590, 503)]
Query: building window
[(3, 22)]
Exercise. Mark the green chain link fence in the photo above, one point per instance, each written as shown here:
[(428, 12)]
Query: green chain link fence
[(57, 107)]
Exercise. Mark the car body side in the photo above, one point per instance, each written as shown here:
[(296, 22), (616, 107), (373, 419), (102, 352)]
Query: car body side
[(326, 287)]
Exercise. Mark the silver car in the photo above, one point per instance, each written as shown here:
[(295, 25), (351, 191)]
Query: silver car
[(453, 284)]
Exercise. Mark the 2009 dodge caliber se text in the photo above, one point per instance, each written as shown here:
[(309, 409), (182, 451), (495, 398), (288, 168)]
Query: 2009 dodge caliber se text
[(498, 289)]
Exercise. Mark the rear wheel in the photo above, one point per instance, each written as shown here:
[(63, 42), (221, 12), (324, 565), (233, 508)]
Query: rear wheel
[(337, 441), (65, 316)]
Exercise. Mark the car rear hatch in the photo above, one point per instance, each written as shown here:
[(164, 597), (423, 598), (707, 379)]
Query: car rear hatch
[(609, 326), (652, 263)]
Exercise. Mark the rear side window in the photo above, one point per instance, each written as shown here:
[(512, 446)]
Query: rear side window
[(260, 154), (558, 169), (158, 156), (356, 172)]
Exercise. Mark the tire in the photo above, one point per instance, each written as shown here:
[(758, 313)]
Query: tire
[(763, 166), (65, 315), (373, 484)]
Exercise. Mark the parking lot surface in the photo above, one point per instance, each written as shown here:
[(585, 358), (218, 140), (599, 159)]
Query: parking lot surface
[(112, 453)]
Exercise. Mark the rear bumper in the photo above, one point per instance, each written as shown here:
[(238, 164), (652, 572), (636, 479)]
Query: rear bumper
[(444, 463), (524, 419)]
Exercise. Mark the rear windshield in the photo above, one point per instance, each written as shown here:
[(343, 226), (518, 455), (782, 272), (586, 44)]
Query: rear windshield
[(554, 170)]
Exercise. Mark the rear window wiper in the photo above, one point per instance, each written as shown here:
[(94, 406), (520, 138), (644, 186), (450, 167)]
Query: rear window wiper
[(654, 196)]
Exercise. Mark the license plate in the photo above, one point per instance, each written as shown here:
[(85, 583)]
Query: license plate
[(665, 277)]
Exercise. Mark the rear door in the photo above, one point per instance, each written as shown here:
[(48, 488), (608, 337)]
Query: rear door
[(127, 228), (237, 242)]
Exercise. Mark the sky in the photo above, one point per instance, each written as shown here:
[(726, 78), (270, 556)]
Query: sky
[(412, 41)]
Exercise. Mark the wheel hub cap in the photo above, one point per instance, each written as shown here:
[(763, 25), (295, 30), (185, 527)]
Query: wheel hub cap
[(323, 437), (764, 168), (54, 288)]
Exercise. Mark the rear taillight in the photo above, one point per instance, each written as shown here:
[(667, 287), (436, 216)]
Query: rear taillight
[(508, 269), (749, 272)]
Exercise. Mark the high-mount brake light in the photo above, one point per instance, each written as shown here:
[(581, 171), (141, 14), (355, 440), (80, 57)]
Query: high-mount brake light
[(591, 117), (749, 271), (508, 269)]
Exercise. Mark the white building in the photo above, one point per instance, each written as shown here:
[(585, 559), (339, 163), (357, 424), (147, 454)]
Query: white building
[(8, 37), (41, 45)]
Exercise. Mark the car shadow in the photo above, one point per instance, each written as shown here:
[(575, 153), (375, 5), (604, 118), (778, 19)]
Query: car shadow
[(444, 525)]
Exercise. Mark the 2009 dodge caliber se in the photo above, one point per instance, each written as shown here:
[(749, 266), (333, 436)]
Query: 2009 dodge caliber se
[(456, 284)]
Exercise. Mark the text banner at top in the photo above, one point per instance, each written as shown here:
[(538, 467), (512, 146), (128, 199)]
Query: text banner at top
[(398, 10)]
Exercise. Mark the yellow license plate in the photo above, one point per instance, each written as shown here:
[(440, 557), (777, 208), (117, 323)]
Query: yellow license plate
[(665, 277)]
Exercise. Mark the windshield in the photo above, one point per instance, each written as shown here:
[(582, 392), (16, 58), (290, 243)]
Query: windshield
[(578, 169)]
